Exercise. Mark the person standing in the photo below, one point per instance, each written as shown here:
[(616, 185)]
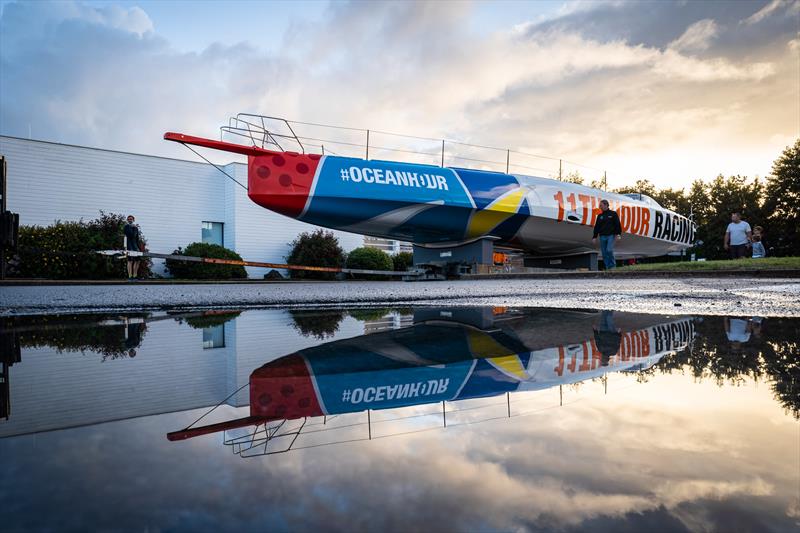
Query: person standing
[(132, 240), (758, 231), (738, 236), (608, 228), (758, 247)]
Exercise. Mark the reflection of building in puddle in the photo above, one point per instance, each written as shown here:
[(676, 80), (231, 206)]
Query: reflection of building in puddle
[(389, 320), (9, 354), (85, 391), (323, 324), (447, 355)]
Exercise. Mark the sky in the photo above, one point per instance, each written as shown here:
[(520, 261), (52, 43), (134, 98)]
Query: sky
[(668, 91)]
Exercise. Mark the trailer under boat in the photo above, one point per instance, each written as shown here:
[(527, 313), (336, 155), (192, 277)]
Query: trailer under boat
[(450, 214)]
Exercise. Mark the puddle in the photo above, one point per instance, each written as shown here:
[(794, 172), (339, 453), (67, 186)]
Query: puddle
[(435, 418)]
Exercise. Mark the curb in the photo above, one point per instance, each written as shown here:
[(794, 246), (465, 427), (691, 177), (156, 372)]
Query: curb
[(765, 273), (756, 273)]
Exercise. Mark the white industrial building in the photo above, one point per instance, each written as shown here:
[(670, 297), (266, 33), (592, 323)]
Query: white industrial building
[(176, 202)]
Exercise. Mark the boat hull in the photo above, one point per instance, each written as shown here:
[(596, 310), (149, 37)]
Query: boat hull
[(440, 206)]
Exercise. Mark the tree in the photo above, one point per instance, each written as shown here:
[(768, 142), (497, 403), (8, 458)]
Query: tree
[(318, 248), (782, 202), (673, 199), (643, 186), (573, 177), (725, 196), (402, 260), (701, 212), (710, 205)]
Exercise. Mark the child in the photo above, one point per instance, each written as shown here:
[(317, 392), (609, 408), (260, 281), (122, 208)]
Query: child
[(758, 247)]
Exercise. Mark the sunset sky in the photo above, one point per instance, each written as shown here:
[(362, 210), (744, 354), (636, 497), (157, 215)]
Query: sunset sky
[(665, 91)]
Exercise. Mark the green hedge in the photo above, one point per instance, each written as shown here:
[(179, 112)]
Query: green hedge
[(195, 270), (369, 259), (320, 248), (402, 260), (66, 250)]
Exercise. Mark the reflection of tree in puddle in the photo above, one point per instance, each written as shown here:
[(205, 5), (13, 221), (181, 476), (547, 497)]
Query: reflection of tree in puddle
[(210, 319), (112, 336), (319, 323), (324, 323), (771, 352)]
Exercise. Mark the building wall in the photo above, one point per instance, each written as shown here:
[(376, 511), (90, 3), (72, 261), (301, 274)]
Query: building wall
[(388, 245), (169, 197), (171, 372)]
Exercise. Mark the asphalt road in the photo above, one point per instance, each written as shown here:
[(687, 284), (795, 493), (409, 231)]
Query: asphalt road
[(724, 296)]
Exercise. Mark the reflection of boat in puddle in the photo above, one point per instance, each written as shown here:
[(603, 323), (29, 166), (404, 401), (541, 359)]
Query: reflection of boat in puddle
[(447, 355)]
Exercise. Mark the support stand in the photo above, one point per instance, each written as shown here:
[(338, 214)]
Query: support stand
[(586, 261), (454, 260)]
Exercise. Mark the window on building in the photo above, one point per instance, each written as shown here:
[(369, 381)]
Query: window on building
[(214, 337), (212, 233)]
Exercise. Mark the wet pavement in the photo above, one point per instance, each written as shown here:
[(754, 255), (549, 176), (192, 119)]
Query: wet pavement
[(751, 296), (400, 418)]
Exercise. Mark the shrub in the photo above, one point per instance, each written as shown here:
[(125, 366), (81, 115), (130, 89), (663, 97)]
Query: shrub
[(369, 259), (273, 275), (318, 248), (66, 250), (194, 270), (402, 260)]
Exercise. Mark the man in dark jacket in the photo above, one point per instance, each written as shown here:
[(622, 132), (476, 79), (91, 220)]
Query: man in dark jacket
[(608, 228)]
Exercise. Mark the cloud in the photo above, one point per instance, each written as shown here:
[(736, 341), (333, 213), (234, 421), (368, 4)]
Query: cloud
[(623, 84), (677, 451), (650, 24), (698, 36), (772, 8)]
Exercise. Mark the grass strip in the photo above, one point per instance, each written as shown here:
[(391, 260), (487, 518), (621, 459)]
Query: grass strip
[(766, 263)]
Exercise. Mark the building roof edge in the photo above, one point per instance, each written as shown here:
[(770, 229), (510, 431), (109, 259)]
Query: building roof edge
[(3, 136)]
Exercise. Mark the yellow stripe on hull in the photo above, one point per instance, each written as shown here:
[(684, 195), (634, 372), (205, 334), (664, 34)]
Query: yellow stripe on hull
[(484, 221), (504, 359)]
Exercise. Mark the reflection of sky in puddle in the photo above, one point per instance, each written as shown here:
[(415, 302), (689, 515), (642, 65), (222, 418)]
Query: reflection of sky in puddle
[(658, 449)]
